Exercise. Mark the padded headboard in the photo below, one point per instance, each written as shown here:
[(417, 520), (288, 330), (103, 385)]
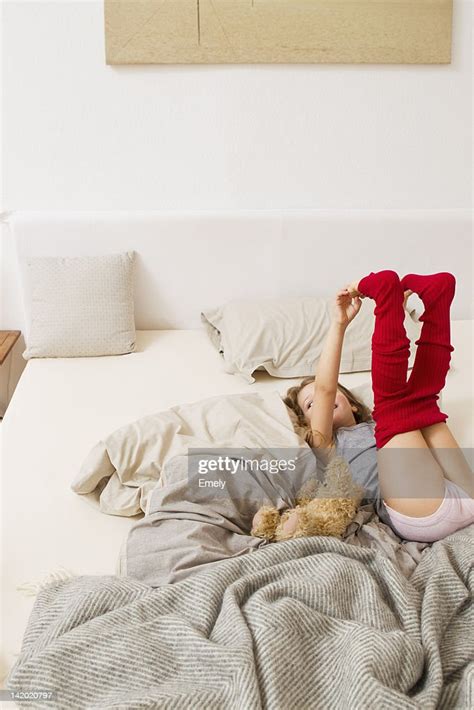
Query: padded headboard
[(187, 262)]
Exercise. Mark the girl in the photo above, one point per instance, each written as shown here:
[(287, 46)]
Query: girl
[(406, 457)]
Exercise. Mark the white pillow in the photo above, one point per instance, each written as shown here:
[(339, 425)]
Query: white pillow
[(79, 306), (286, 336)]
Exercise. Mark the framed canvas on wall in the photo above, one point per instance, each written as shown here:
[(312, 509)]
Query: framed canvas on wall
[(278, 31)]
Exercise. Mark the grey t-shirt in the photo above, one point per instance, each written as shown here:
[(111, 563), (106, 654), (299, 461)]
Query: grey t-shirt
[(356, 444)]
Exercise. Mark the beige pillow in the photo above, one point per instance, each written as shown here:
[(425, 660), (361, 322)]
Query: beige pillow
[(79, 306), (286, 336)]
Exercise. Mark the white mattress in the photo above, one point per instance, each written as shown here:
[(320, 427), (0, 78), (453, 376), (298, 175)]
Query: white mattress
[(62, 407)]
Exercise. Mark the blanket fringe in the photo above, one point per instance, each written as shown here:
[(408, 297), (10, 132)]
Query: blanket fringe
[(31, 589)]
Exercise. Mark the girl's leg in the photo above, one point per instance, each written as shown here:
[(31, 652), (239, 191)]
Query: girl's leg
[(433, 354), (390, 345), (431, 366), (450, 456), (411, 481), (402, 450), (390, 352)]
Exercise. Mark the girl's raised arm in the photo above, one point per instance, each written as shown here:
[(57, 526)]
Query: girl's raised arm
[(327, 370)]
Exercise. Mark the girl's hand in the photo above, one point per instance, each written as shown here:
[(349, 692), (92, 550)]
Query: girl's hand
[(346, 307)]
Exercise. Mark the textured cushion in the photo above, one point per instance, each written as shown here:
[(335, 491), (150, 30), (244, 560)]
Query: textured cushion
[(286, 336), (80, 306)]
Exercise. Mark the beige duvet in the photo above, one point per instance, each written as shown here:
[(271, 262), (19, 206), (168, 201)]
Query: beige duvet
[(122, 470), (145, 467)]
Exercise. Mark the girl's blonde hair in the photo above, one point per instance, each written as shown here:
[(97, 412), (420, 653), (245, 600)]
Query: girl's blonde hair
[(362, 413)]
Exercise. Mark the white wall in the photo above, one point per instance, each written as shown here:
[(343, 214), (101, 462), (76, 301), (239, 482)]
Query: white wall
[(82, 135), (78, 134)]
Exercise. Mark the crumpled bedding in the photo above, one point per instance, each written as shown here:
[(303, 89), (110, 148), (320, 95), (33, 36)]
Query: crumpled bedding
[(307, 623), (121, 471), (152, 465), (180, 536)]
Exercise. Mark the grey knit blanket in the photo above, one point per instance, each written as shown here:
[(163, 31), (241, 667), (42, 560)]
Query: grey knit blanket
[(308, 623)]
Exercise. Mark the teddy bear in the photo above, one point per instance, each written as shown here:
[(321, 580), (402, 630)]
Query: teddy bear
[(322, 508)]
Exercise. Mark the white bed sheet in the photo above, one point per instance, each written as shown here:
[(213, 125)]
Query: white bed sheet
[(62, 407)]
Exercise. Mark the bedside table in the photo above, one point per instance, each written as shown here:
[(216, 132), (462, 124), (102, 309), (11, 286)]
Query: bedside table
[(9, 367), (8, 339)]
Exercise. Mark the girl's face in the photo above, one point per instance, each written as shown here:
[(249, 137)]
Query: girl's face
[(343, 410)]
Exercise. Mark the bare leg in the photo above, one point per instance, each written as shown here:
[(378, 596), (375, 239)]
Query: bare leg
[(450, 456), (411, 480), (433, 358)]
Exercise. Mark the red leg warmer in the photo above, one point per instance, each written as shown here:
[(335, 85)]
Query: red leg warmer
[(401, 406)]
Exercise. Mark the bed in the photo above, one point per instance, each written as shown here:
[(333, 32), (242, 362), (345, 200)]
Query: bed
[(66, 405), (62, 407)]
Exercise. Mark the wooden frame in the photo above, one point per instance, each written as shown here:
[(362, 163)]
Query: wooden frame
[(278, 31)]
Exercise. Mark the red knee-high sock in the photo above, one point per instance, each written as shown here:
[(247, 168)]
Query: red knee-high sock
[(390, 345), (400, 406), (433, 355)]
